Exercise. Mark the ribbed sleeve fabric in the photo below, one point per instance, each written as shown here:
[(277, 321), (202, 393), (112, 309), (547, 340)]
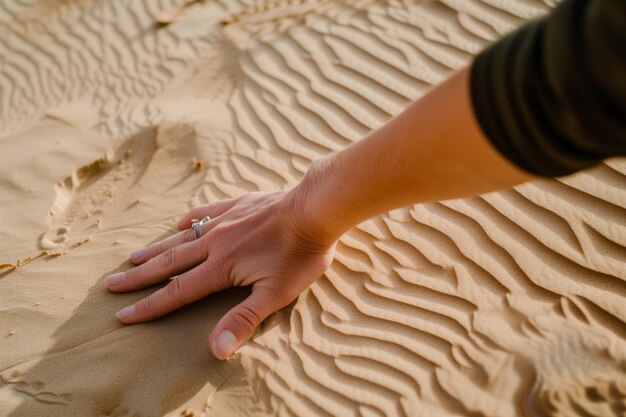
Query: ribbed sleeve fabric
[(551, 96)]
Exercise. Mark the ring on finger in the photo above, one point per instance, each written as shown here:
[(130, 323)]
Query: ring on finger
[(197, 225)]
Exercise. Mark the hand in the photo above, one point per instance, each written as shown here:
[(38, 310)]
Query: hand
[(258, 240)]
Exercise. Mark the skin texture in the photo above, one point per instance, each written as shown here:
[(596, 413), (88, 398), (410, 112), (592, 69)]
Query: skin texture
[(280, 242)]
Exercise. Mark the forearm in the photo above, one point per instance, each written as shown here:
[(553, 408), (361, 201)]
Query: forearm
[(432, 151)]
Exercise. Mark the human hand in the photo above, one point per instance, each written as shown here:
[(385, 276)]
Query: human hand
[(258, 240)]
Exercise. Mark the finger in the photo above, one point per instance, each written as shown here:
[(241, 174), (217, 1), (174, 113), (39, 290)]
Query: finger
[(187, 288), (142, 255), (212, 210), (168, 264), (188, 235), (241, 321)]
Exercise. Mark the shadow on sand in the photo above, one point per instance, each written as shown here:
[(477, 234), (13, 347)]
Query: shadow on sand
[(99, 367)]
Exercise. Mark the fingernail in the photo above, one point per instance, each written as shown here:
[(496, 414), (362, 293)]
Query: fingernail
[(125, 312), (138, 254), (115, 279), (224, 345)]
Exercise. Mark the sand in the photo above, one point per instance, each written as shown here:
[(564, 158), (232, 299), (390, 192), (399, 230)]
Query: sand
[(118, 116)]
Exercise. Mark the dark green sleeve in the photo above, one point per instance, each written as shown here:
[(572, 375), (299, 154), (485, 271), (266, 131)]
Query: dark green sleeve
[(551, 96)]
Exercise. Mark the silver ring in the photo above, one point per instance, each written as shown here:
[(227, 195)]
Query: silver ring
[(197, 225)]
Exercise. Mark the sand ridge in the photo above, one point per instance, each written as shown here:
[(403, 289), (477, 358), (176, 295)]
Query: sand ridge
[(505, 304)]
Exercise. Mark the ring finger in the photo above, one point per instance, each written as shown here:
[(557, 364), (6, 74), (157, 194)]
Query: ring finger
[(140, 256)]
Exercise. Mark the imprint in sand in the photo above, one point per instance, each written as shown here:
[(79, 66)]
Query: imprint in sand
[(502, 304), (92, 191)]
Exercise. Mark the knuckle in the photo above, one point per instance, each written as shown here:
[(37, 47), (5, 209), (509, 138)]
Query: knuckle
[(188, 235), (206, 274), (168, 258), (213, 275), (133, 276), (145, 308), (174, 291), (246, 318), (219, 261)]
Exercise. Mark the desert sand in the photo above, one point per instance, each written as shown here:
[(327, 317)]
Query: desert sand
[(118, 116)]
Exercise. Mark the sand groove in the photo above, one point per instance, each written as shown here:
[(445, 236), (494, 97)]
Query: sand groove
[(504, 304), (524, 249)]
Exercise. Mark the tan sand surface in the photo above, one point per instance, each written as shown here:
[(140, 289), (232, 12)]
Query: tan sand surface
[(117, 116)]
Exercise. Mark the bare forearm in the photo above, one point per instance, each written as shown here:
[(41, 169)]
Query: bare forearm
[(432, 151)]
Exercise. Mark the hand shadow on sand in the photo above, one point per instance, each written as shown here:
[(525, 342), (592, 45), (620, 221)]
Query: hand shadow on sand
[(99, 367)]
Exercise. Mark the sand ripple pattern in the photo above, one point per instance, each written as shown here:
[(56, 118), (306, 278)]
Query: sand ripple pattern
[(506, 304)]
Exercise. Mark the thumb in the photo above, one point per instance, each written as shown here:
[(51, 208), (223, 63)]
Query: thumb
[(241, 321)]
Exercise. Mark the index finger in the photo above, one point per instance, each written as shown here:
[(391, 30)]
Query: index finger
[(193, 285)]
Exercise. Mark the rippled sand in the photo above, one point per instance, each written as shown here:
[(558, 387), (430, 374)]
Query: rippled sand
[(117, 116)]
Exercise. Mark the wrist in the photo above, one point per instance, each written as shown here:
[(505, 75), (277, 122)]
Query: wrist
[(311, 205)]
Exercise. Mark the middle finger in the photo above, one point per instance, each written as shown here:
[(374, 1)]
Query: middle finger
[(172, 262)]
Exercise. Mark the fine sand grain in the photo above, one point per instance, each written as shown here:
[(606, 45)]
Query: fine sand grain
[(118, 116)]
